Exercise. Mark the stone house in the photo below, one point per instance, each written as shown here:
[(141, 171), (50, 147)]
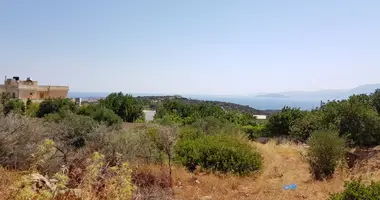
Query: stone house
[(30, 89)]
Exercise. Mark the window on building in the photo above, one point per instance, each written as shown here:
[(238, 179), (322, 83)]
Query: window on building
[(31, 94), (13, 95)]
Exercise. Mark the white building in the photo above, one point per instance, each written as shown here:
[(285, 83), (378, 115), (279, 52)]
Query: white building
[(149, 115), (260, 116)]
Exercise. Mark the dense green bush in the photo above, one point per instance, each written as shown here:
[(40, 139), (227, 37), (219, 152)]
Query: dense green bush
[(355, 190), (51, 106), (218, 153), (325, 152), (125, 106), (356, 119), (302, 128), (101, 114), (169, 119), (14, 105), (280, 123), (188, 113), (359, 122), (254, 132), (376, 100), (189, 132), (209, 125), (32, 109)]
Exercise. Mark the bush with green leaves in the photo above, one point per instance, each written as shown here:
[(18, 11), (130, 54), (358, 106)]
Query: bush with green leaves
[(169, 119), (356, 119), (14, 105), (253, 132), (376, 100), (51, 106), (209, 125), (101, 114), (221, 153), (32, 109), (325, 152), (281, 122), (356, 190), (124, 105), (186, 113), (359, 122), (302, 128)]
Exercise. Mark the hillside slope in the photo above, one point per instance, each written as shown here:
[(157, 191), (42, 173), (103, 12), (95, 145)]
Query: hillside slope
[(152, 102)]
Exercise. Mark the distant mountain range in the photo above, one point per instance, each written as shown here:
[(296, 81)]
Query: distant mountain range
[(151, 101), (264, 101), (271, 95), (323, 95)]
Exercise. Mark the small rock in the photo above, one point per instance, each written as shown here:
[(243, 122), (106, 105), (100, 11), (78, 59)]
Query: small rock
[(40, 181), (53, 181), (263, 140), (206, 198), (77, 192), (197, 182)]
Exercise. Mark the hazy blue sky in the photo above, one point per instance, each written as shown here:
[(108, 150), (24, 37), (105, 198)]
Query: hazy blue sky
[(192, 46)]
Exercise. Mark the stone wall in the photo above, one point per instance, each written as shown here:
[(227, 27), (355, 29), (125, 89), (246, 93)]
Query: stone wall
[(35, 92), (53, 91), (2, 89)]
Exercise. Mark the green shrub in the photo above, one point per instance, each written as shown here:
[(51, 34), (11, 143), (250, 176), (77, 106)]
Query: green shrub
[(355, 190), (360, 123), (209, 125), (51, 106), (302, 128), (32, 109), (376, 100), (125, 106), (14, 105), (253, 132), (218, 153), (189, 132), (101, 114), (169, 119), (280, 123), (325, 152)]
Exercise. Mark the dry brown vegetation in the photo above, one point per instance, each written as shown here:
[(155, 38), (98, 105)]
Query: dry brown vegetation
[(283, 164)]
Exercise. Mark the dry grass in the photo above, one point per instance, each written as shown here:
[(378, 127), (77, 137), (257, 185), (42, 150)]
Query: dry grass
[(283, 164), (127, 125), (7, 177)]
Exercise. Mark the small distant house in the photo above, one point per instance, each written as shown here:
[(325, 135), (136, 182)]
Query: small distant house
[(149, 115), (260, 116), (30, 89)]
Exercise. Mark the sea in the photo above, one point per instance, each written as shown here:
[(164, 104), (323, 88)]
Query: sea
[(260, 103)]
